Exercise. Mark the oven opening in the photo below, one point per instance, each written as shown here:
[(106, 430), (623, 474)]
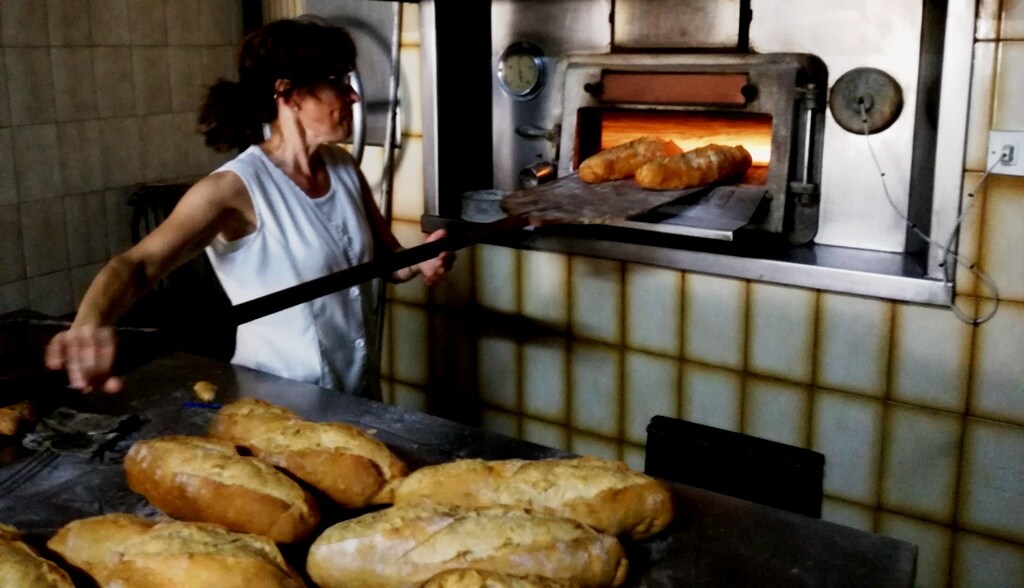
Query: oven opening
[(600, 128)]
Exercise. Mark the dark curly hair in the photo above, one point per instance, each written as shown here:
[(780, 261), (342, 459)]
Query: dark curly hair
[(303, 52)]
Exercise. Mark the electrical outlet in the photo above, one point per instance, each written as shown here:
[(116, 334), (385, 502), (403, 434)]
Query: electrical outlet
[(1004, 152)]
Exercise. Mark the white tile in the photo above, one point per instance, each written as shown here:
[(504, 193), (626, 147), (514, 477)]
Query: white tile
[(51, 293), (74, 83), (847, 514), (545, 434), (120, 162), (653, 306), (922, 452), (218, 22), (972, 202), (5, 111), (410, 91), (589, 445), (8, 181), (183, 26), (34, 150), (14, 296), (998, 374), (934, 546), (848, 431), (711, 396), (409, 397), (25, 23), (931, 352), (544, 379), (497, 421), (1008, 108), (983, 561), (372, 166), (148, 21), (635, 457), (108, 20), (119, 217), (595, 389), (497, 277), (68, 23), (781, 340), (409, 337), (1002, 239), (30, 94), (597, 299), (410, 24), (152, 71), (651, 388), (853, 343), (714, 320), (408, 190), (219, 62), (498, 372), (545, 291), (158, 161), (187, 87), (991, 492), (115, 81), (81, 279), (87, 228), (1012, 20), (12, 245), (44, 229), (979, 115), (409, 234), (987, 21), (79, 156), (777, 411)]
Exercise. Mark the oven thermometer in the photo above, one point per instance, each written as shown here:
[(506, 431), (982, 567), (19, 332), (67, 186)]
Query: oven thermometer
[(521, 70)]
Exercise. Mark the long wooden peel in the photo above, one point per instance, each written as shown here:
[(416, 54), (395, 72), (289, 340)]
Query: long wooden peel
[(566, 200)]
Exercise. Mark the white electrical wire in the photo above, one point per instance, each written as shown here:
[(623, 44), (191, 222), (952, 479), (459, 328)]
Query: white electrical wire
[(947, 247)]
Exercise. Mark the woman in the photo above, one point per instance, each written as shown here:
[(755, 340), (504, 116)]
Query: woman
[(293, 206)]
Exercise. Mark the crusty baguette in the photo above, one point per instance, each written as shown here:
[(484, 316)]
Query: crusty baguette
[(22, 567), (407, 545), (701, 166), (605, 494), (470, 578), (622, 161), (206, 480), (341, 460), (91, 544), (199, 555), (16, 417)]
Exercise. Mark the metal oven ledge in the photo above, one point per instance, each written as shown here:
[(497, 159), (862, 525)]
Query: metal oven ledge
[(894, 276)]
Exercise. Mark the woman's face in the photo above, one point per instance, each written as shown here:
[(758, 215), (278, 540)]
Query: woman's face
[(325, 110)]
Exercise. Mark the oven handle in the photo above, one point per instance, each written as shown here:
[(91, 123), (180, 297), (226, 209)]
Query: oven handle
[(358, 117)]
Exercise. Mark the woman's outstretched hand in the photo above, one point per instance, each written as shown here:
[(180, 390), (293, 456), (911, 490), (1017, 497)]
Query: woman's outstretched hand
[(434, 270), (87, 355)]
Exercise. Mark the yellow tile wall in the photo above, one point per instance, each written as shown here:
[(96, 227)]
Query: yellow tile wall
[(919, 414)]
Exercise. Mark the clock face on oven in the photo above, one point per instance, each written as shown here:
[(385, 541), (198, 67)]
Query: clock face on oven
[(521, 70)]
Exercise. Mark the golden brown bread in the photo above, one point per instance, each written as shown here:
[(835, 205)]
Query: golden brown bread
[(206, 480), (407, 545), (622, 161), (701, 166), (91, 544), (16, 417), (341, 460), (199, 555), (605, 494), (470, 578), (22, 567)]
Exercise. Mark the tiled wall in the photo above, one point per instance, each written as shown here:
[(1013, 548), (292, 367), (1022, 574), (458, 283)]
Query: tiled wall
[(96, 96), (920, 416)]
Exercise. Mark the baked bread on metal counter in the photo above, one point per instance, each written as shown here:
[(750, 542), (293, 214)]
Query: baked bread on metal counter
[(699, 167), (91, 544), (470, 578), (341, 460), (206, 480), (406, 545), (604, 494), (622, 161), (22, 567)]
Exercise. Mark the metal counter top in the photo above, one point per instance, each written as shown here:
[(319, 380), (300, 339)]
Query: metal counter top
[(716, 540)]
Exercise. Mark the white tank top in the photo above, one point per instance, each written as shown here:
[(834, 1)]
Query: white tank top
[(328, 341)]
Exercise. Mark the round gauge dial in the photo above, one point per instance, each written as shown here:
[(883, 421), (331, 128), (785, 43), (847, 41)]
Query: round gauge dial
[(521, 70)]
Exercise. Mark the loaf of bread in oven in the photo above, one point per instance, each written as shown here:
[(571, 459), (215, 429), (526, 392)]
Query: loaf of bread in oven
[(91, 544), (199, 555), (343, 461), (622, 161), (206, 480), (470, 578), (604, 494), (22, 567), (406, 545), (704, 165)]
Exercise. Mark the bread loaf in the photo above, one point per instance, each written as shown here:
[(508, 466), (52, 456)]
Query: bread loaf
[(206, 480), (604, 494), (199, 555), (701, 166), (91, 544), (22, 567), (341, 460), (16, 418), (622, 161), (406, 545), (469, 578)]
